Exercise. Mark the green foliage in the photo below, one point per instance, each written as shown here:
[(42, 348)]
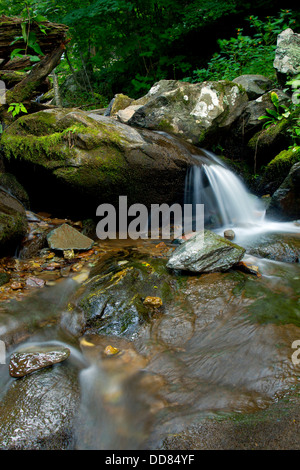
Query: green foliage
[(280, 112), (246, 54), (29, 37), (16, 108)]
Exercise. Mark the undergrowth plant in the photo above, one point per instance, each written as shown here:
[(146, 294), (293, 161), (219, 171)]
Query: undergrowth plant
[(245, 54)]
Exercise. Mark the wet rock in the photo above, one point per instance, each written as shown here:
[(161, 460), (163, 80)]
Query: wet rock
[(66, 238), (24, 363), (13, 222), (38, 412), (248, 268), (206, 252), (153, 302), (229, 234), (10, 183), (191, 111), (255, 85), (111, 350), (33, 281), (285, 202), (112, 301), (284, 247)]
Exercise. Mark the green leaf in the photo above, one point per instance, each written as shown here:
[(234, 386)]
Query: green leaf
[(34, 58), (24, 31), (272, 112)]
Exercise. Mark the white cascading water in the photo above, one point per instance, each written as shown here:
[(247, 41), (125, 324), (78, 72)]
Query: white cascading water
[(227, 202)]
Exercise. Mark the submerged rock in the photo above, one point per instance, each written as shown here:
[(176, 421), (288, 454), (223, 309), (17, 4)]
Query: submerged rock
[(122, 298), (24, 363), (66, 238), (206, 252), (283, 247)]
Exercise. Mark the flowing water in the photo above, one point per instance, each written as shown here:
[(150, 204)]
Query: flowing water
[(222, 345)]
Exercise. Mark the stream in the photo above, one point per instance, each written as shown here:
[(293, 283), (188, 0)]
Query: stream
[(220, 346)]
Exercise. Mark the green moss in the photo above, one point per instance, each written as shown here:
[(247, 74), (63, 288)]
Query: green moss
[(36, 149), (278, 168)]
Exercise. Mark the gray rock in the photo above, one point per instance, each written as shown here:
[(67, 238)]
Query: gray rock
[(26, 362), (66, 237), (255, 85), (249, 121), (287, 54), (206, 252), (190, 111)]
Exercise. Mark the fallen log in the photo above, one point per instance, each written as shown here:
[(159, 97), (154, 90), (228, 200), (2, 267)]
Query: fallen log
[(22, 86)]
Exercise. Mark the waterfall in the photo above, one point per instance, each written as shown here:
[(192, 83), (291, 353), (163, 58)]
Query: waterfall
[(226, 200)]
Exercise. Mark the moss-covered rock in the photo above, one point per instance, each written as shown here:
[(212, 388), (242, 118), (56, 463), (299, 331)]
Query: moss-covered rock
[(278, 169), (71, 161), (120, 102), (269, 142)]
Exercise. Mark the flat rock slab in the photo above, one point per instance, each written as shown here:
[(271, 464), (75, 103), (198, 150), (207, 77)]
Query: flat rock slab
[(66, 237), (24, 363), (206, 253)]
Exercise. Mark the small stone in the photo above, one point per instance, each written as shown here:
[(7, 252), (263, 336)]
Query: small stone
[(66, 237), (248, 268), (69, 254), (229, 234), (65, 271), (35, 282), (16, 285), (110, 350), (154, 302), (24, 363)]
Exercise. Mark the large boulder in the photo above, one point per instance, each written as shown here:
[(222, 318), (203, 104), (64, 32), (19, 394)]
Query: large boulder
[(71, 161), (122, 296), (287, 55), (206, 252), (285, 202), (195, 112), (13, 222)]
